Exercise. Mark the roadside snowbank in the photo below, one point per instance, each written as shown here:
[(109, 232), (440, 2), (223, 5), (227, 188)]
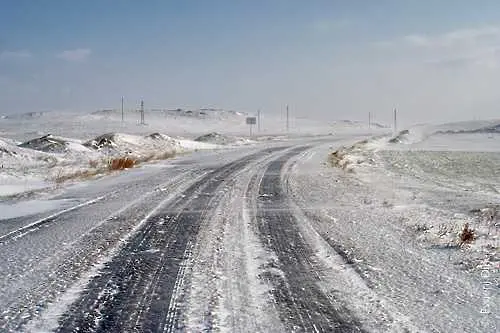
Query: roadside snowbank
[(478, 136), (45, 162), (448, 170), (400, 234), (351, 157)]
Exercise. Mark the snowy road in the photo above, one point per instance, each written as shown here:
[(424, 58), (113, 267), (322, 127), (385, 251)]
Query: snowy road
[(300, 301), (131, 245), (216, 241)]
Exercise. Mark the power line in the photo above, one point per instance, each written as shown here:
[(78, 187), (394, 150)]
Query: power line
[(395, 121)]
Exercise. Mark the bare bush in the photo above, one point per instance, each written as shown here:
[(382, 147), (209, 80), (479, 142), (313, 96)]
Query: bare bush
[(467, 235), (335, 158), (121, 163), (422, 227), (115, 164), (338, 159)]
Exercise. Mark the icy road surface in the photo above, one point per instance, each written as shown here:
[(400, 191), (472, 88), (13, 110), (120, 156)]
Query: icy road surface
[(253, 240)]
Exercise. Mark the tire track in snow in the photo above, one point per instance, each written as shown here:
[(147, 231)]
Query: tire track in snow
[(20, 232), (302, 304), (226, 258), (136, 290), (14, 233), (80, 254)]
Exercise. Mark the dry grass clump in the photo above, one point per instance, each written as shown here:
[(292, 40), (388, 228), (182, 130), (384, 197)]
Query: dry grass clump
[(94, 164), (114, 164), (338, 159), (121, 163), (128, 162), (80, 174), (467, 235), (166, 155), (155, 157)]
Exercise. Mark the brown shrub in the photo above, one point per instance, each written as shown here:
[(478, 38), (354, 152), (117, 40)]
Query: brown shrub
[(121, 163), (337, 159), (113, 164), (467, 236)]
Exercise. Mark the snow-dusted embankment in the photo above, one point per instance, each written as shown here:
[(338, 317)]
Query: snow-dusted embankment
[(440, 178), (49, 160), (399, 231)]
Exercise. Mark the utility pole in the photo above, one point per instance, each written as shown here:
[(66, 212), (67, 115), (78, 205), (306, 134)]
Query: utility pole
[(122, 111), (287, 119), (142, 113), (395, 121), (369, 120), (258, 120)]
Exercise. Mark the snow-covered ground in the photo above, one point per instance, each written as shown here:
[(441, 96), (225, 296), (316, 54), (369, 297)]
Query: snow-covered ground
[(402, 248), (185, 123), (42, 150), (48, 161), (425, 184), (276, 235)]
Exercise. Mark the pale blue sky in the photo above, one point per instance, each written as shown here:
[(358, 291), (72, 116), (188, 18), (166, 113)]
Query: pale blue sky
[(434, 60)]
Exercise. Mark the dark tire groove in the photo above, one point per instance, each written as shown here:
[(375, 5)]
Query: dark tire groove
[(302, 306), (133, 291)]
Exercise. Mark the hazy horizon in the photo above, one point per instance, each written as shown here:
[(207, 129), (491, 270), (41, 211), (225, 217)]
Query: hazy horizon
[(434, 62)]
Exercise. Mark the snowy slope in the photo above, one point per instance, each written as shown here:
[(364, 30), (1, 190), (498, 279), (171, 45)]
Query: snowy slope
[(437, 182), (47, 161)]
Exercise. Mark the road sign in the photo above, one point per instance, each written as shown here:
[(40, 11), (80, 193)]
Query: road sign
[(251, 120)]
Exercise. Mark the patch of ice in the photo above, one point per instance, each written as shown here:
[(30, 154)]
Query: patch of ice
[(31, 207), (12, 185)]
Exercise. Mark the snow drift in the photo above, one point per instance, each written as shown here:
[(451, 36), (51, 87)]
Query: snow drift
[(115, 144), (46, 161), (221, 139), (421, 133)]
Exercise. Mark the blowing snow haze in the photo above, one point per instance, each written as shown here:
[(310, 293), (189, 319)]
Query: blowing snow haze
[(233, 166), (326, 59)]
